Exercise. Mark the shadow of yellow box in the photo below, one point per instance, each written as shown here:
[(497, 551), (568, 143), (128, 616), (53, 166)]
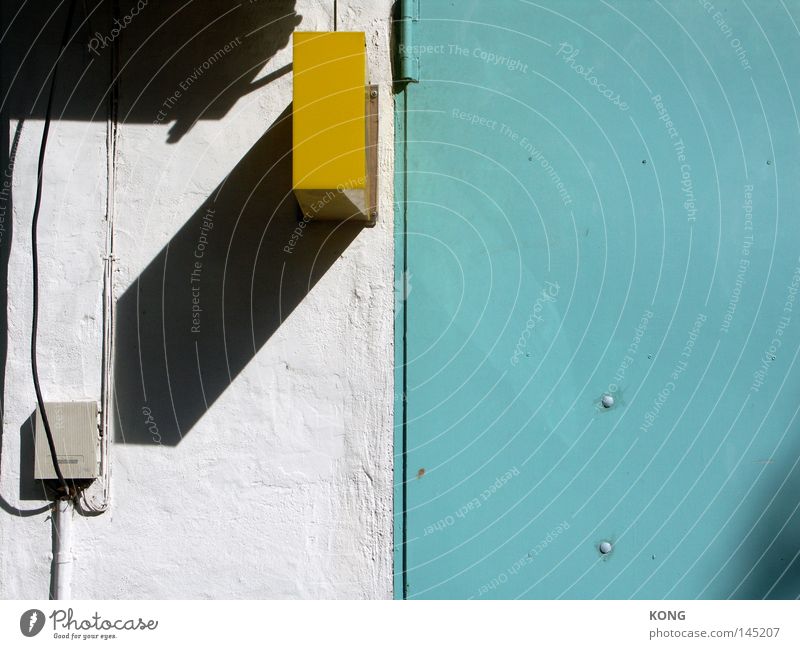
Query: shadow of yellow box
[(330, 140)]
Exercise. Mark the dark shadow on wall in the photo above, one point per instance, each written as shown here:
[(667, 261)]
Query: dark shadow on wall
[(178, 61), (215, 294), (185, 61), (205, 305), (29, 487)]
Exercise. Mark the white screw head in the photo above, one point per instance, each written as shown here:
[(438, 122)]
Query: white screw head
[(607, 401), (605, 547)]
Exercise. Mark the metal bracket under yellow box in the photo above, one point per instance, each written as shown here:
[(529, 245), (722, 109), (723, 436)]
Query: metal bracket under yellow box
[(334, 116)]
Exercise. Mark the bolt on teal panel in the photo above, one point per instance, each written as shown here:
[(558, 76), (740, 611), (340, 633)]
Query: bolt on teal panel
[(598, 333)]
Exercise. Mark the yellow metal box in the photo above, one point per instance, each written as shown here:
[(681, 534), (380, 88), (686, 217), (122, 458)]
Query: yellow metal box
[(329, 113)]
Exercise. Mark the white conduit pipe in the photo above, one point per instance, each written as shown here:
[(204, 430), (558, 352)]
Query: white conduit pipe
[(62, 556)]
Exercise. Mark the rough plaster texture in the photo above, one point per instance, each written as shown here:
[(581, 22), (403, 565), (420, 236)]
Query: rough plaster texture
[(279, 481)]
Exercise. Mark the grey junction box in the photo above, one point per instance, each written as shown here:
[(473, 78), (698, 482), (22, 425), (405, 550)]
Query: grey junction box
[(76, 437)]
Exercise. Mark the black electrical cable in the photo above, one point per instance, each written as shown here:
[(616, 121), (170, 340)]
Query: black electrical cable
[(35, 253)]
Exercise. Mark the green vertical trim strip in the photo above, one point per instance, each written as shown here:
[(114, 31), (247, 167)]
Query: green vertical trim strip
[(408, 63), (400, 350)]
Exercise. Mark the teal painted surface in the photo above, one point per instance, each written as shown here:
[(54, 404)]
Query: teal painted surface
[(600, 198)]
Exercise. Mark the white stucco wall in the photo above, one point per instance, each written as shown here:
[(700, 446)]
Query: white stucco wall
[(282, 487)]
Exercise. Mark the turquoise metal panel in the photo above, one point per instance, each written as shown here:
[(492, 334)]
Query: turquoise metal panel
[(599, 199)]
